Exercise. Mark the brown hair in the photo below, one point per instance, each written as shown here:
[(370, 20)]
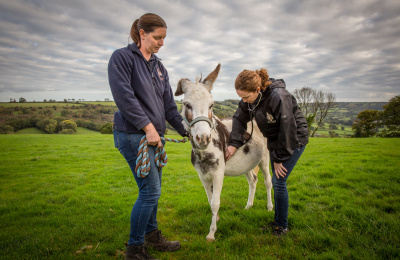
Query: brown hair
[(249, 80), (148, 22)]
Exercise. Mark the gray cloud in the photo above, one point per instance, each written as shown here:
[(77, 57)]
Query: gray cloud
[(60, 49)]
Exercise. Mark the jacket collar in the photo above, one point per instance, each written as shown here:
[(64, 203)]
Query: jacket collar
[(133, 47), (275, 83)]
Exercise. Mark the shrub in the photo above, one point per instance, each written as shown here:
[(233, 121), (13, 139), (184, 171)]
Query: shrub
[(107, 128), (47, 125), (68, 124), (6, 129)]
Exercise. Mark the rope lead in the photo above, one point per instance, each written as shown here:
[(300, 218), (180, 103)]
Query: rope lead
[(143, 162)]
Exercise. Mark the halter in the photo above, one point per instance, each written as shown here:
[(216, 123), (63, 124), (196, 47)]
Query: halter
[(196, 120)]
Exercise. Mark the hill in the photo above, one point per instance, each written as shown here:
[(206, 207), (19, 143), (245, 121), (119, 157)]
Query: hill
[(95, 115)]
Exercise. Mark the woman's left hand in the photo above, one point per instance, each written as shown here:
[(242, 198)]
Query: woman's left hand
[(280, 170)]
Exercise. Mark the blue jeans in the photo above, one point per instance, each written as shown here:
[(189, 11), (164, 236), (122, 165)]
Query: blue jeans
[(144, 211), (281, 195)]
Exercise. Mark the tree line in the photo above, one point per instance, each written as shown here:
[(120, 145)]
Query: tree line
[(368, 121), (57, 118), (317, 106)]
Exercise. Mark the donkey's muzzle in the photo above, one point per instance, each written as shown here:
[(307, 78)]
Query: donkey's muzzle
[(203, 140)]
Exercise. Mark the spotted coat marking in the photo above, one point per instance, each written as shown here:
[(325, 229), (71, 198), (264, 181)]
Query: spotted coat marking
[(206, 161)]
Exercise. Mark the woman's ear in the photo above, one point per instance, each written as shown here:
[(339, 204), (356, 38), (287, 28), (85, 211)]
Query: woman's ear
[(142, 33)]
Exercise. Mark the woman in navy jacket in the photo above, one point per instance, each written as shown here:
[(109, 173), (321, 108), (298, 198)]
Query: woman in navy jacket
[(140, 86), (281, 121)]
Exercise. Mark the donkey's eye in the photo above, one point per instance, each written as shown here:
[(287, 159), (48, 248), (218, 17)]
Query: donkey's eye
[(211, 106)]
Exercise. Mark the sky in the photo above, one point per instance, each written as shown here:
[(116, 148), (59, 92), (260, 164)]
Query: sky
[(58, 49)]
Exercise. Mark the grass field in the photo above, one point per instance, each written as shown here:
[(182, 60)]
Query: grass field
[(70, 196)]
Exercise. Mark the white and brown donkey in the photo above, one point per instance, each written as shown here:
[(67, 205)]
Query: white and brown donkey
[(210, 140)]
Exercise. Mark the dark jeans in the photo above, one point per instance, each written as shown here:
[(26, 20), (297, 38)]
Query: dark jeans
[(281, 196), (144, 211)]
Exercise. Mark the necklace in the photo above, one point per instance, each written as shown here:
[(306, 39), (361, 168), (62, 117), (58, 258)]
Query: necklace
[(252, 109)]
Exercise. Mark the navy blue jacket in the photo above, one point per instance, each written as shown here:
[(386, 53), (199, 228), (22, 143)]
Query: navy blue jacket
[(142, 92), (279, 118)]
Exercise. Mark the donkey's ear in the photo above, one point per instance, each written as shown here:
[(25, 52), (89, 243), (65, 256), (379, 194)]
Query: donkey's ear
[(208, 82), (181, 87)]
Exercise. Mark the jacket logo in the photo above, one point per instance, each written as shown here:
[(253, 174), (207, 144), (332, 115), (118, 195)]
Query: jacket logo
[(160, 74), (270, 118)]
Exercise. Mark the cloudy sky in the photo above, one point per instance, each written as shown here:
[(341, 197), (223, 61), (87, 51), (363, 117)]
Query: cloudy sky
[(59, 49)]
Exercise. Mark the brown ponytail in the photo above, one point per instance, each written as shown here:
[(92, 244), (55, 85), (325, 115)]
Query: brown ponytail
[(265, 82), (148, 22), (135, 33), (249, 80)]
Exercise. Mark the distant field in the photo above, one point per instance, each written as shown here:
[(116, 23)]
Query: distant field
[(70, 197), (342, 114), (39, 104), (104, 103)]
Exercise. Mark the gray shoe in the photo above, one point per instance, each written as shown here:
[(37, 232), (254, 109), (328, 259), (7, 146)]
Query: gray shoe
[(133, 252)]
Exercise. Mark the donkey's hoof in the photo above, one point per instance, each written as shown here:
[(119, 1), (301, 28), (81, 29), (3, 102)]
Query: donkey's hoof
[(210, 239), (248, 206)]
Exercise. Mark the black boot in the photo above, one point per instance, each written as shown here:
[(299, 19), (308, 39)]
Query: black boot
[(156, 240), (133, 252)]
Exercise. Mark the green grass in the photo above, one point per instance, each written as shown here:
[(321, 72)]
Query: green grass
[(30, 131), (85, 131), (63, 193)]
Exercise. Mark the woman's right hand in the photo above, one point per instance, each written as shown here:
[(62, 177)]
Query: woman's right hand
[(230, 151), (152, 136)]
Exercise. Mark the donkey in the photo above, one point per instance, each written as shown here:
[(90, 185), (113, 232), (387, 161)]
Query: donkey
[(210, 140)]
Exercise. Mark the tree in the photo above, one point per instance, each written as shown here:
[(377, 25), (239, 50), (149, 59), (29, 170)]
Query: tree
[(366, 124), (305, 98), (68, 124), (390, 117), (22, 100), (315, 105), (47, 125)]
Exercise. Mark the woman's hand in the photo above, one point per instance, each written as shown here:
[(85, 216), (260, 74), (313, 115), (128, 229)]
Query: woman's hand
[(230, 151), (153, 138), (280, 170)]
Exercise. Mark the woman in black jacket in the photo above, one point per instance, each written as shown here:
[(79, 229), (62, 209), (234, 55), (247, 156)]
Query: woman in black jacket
[(280, 120)]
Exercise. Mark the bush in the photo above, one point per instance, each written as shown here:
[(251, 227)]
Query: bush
[(47, 125), (107, 128), (6, 129), (68, 125)]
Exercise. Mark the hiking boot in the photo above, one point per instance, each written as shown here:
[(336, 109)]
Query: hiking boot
[(280, 231), (157, 241), (133, 252)]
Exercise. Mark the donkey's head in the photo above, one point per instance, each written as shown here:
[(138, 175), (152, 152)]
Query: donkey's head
[(197, 107)]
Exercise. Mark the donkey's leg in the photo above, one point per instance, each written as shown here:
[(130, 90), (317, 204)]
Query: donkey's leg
[(252, 180), (208, 186), (215, 203), (264, 165)]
